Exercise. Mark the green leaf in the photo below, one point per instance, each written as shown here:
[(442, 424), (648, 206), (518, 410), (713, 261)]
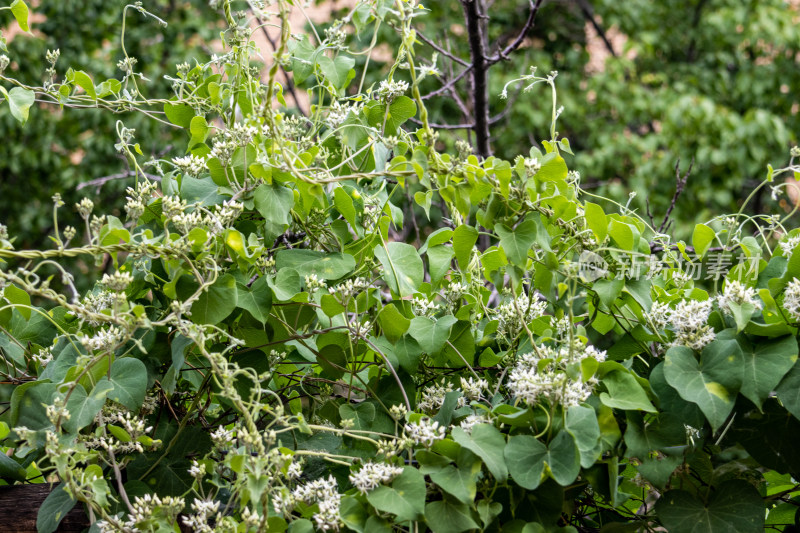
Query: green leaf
[(274, 202), (257, 299), (789, 391), (517, 242), (488, 443), (393, 324), (765, 364), (608, 290), (459, 482), (439, 258), (431, 335), (702, 237), (217, 302), (735, 507), (403, 268), (583, 426), (344, 204), (53, 509), (327, 266), (198, 127), (464, 239), (449, 517), (362, 414), (179, 114), (405, 498), (336, 70), (20, 11), (711, 383), (622, 235), (84, 407), (10, 469), (408, 352), (624, 392), (129, 382), (553, 168), (20, 101), (20, 298), (84, 81), (596, 220), (285, 285), (529, 459)]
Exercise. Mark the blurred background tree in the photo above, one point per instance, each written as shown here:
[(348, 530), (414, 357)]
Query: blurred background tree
[(60, 152), (643, 85)]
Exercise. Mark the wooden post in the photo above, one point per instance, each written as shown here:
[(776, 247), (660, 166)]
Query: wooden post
[(19, 505)]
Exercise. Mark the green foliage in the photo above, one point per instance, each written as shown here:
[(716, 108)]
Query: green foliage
[(275, 342)]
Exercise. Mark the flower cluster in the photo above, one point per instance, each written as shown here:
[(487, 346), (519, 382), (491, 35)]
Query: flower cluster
[(545, 375), (322, 492), (104, 340), (737, 293), (789, 245), (791, 299), (689, 321), (203, 511), (190, 165), (388, 91), (425, 432), (512, 316), (373, 474), (148, 511)]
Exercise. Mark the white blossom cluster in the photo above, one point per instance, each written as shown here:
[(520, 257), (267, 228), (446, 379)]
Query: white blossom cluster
[(789, 245), (118, 281), (473, 420), (514, 314), (423, 307), (190, 165), (433, 397), (349, 288), (322, 492), (313, 283), (104, 340), (146, 509), (689, 321), (388, 91), (425, 432), (543, 375), (791, 299), (203, 511), (473, 388), (137, 200), (338, 113), (737, 293), (371, 475)]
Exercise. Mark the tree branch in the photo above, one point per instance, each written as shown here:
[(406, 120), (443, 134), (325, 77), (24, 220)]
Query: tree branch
[(588, 13), (517, 42), (480, 67), (680, 183)]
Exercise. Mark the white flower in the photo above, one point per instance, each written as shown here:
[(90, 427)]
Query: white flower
[(471, 421), (388, 91), (103, 340), (791, 299), (373, 474), (737, 293), (197, 470), (514, 314), (222, 437), (659, 315), (473, 388), (425, 432), (118, 281), (789, 246), (190, 164), (689, 320)]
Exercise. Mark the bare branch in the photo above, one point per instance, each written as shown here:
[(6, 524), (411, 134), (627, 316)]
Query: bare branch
[(680, 183), (588, 14), (477, 45), (442, 51), (517, 42)]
